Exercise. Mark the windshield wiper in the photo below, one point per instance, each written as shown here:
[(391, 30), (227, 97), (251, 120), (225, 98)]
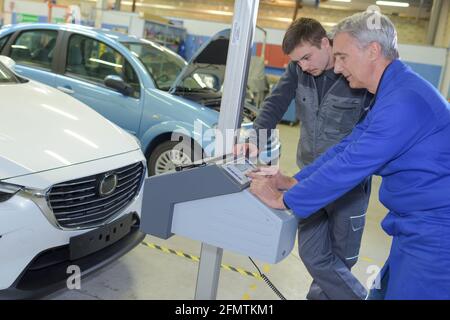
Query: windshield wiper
[(186, 89)]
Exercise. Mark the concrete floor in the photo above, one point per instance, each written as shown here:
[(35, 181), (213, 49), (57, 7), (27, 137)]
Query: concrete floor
[(148, 273)]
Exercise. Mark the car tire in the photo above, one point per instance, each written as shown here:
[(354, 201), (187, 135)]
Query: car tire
[(170, 154)]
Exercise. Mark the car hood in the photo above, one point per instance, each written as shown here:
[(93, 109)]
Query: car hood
[(211, 56), (42, 128)]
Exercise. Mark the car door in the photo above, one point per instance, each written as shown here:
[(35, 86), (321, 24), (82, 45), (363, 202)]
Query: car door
[(34, 52), (88, 61)]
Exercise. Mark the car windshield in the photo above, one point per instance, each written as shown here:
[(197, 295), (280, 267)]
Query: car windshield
[(163, 64), (6, 76)]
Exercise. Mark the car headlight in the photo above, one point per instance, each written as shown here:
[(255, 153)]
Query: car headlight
[(7, 190)]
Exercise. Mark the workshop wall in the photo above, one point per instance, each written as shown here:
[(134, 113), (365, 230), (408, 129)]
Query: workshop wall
[(428, 61), (411, 31)]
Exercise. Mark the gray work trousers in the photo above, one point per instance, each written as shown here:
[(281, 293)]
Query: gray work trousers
[(329, 242)]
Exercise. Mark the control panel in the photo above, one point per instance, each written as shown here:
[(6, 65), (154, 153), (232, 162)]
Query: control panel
[(238, 170)]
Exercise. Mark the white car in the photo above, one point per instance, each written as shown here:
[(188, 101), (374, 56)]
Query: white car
[(70, 188)]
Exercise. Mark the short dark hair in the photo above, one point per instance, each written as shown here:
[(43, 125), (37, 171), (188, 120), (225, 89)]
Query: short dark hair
[(301, 30)]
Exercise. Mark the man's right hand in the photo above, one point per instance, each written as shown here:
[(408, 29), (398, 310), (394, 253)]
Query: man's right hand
[(279, 180), (245, 149)]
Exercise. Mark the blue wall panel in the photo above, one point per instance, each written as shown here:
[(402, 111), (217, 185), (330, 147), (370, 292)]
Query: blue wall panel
[(192, 44), (432, 73)]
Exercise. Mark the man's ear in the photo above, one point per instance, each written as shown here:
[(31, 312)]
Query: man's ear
[(324, 43), (375, 50)]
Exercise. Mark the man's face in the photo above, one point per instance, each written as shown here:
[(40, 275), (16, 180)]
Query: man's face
[(310, 58), (351, 61)]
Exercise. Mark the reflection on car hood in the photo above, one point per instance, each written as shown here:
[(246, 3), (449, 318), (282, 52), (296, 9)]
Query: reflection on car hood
[(42, 128)]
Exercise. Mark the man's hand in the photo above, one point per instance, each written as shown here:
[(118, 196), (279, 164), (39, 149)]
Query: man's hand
[(278, 180), (246, 149), (264, 190)]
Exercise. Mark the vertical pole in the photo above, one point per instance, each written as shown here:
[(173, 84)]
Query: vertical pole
[(235, 83), (208, 272), (445, 83), (100, 6), (434, 20), (236, 72)]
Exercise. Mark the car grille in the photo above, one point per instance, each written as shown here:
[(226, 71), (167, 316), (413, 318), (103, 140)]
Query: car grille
[(78, 204)]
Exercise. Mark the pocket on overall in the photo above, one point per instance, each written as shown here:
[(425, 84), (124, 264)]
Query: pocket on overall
[(304, 100), (342, 116), (355, 232)]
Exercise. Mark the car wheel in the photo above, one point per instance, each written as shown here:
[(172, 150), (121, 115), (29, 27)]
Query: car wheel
[(169, 155)]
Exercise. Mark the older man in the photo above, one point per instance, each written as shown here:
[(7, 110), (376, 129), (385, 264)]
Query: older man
[(328, 242), (404, 139)]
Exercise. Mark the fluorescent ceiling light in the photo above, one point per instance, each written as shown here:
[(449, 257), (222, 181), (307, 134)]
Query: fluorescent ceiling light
[(219, 13), (341, 0), (393, 4)]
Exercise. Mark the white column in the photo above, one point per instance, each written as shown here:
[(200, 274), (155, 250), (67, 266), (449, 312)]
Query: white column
[(100, 6), (442, 39), (236, 72), (445, 84), (434, 20)]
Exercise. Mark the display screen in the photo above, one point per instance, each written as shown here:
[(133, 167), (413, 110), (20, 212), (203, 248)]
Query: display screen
[(243, 167)]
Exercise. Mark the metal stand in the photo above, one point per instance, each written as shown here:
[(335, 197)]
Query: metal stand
[(208, 272), (236, 72)]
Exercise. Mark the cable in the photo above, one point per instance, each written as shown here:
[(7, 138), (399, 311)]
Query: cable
[(269, 283)]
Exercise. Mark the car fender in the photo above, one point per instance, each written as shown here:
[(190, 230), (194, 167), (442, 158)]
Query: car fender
[(169, 130)]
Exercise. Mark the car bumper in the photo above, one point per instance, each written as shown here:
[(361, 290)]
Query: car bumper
[(35, 283), (35, 254)]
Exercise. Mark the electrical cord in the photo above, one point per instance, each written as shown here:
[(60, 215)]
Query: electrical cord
[(269, 283)]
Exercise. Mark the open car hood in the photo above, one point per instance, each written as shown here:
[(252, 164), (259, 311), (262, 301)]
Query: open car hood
[(210, 60), (211, 57)]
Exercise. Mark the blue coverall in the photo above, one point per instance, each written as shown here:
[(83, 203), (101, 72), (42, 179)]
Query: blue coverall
[(405, 139)]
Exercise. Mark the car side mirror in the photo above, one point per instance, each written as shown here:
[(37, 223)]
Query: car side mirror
[(117, 83), (8, 62)]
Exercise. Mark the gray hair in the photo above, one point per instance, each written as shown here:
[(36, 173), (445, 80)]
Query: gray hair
[(370, 26)]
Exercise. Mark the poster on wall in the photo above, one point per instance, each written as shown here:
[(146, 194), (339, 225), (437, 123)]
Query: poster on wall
[(16, 11)]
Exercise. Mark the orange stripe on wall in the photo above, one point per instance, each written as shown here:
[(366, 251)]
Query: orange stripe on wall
[(274, 56)]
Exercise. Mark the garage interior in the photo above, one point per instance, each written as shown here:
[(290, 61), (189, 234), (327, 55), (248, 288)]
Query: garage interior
[(148, 272)]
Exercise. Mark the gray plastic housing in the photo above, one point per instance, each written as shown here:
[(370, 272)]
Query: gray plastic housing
[(211, 205)]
